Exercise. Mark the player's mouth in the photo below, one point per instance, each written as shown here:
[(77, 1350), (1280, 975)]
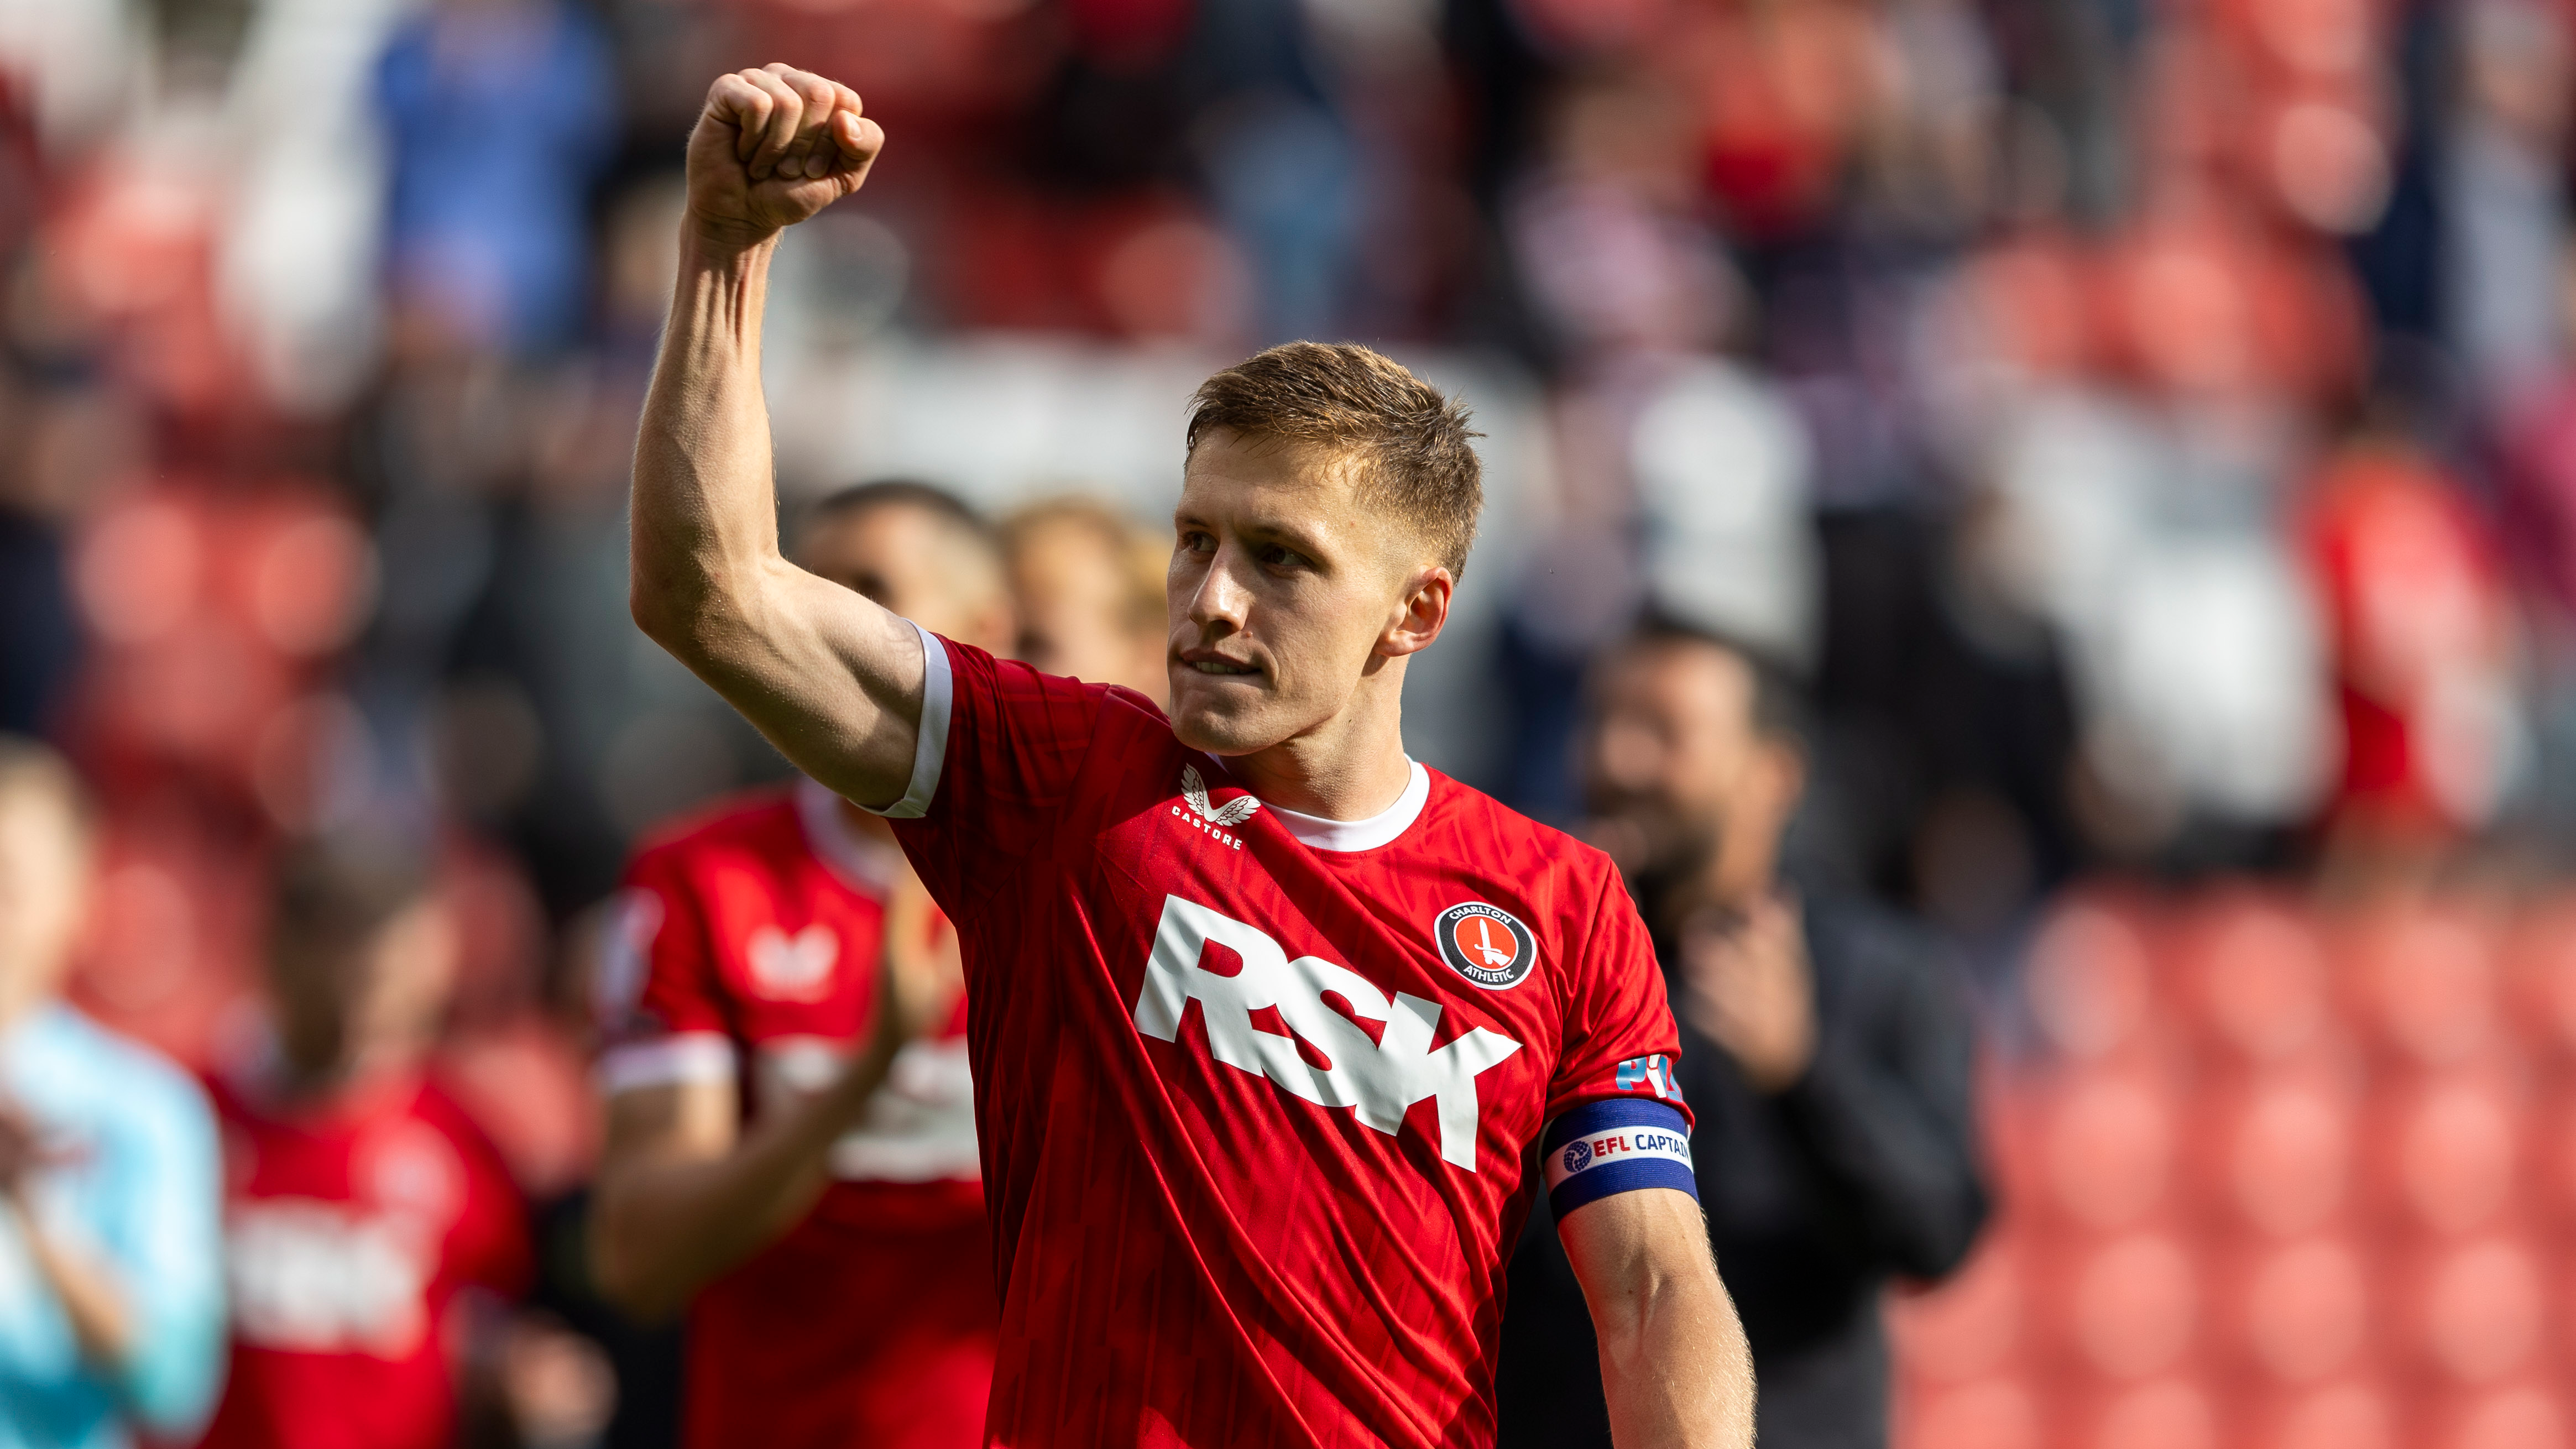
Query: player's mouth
[(1208, 661)]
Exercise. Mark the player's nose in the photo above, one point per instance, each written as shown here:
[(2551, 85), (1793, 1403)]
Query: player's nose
[(1220, 597)]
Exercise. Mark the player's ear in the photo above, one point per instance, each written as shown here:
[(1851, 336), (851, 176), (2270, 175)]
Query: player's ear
[(1423, 613)]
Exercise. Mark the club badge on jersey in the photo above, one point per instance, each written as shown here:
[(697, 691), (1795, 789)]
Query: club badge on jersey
[(1486, 944)]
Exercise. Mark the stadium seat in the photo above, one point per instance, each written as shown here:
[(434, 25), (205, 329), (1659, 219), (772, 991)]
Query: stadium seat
[(2350, 1414), (2279, 1152), (2255, 977), (1991, 1413), (2305, 1309), (2107, 1149), (2454, 1142), (2135, 1305), (2090, 984), (2165, 1414), (2479, 1310)]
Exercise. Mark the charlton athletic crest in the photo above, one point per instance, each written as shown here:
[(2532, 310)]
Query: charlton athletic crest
[(1487, 945)]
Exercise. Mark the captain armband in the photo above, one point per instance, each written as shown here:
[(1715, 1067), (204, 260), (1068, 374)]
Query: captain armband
[(1615, 1145)]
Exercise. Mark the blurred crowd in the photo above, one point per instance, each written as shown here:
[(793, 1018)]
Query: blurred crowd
[(2146, 427)]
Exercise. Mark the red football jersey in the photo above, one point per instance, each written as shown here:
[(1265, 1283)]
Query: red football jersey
[(1262, 1095), (347, 1230), (745, 946)]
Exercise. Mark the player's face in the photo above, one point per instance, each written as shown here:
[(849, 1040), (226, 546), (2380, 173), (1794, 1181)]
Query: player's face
[(44, 874), (1676, 771), (1076, 619), (346, 1008), (1285, 594), (908, 561)]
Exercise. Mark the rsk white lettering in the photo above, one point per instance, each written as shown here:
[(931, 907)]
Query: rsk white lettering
[(1380, 1079)]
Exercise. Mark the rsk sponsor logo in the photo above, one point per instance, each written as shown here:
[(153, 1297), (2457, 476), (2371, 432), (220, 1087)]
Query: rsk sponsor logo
[(1380, 1078), (1654, 1073), (316, 1277)]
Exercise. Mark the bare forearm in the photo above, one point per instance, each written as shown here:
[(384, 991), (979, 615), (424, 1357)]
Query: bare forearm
[(1675, 1367), (704, 515), (663, 1227), (89, 1297), (1674, 1364)]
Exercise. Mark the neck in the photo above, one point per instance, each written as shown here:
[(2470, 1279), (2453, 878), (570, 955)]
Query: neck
[(1350, 767)]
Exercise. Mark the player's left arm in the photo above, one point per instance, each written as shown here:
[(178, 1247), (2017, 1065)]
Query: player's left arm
[(1674, 1364)]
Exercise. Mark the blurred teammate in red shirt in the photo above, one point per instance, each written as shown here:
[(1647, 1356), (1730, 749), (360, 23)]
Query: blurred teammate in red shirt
[(359, 1198), (1276, 1033), (783, 1156)]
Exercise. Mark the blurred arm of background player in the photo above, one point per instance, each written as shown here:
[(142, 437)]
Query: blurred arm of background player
[(831, 678), (1675, 1367), (685, 1191)]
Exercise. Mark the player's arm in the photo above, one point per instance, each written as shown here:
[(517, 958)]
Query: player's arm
[(683, 1194), (832, 679), (1674, 1364)]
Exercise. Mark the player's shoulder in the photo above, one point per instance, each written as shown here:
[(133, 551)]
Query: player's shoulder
[(761, 818), (1477, 821)]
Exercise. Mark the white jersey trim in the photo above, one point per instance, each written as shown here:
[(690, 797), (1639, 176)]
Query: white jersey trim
[(1318, 833), (683, 1057), (930, 750)]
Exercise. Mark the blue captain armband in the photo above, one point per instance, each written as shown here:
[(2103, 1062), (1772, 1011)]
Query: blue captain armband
[(1616, 1145)]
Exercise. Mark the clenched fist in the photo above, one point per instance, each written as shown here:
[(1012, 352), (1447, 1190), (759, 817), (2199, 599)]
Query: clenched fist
[(773, 147)]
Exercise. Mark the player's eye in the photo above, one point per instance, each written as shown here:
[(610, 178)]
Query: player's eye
[(1196, 542), (1281, 557)]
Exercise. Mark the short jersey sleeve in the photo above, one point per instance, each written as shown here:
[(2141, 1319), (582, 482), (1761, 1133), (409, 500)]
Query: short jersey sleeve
[(659, 999), (1000, 747), (1616, 1118)]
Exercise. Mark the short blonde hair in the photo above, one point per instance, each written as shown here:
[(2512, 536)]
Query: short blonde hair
[(1408, 438)]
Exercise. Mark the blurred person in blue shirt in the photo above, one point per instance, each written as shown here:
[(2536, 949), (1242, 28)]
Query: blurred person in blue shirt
[(111, 1302), (499, 115)]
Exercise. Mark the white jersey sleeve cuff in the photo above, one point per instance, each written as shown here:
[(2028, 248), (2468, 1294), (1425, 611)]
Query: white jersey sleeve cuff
[(930, 751), (670, 1061)]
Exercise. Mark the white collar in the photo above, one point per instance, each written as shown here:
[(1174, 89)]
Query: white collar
[(1318, 833), (864, 863)]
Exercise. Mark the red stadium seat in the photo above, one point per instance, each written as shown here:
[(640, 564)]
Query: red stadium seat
[(2455, 1142), (2090, 986), (2165, 1414), (2351, 1414), (2136, 1306), (1969, 1327), (2306, 1309), (2480, 1310), (2519, 1416), (2255, 973), (1993, 1413), (2427, 979), (2281, 1152), (2107, 1149)]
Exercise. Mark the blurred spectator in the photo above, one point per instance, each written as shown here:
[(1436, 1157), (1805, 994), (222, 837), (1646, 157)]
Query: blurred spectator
[(1825, 1053), (825, 1229), (1090, 590), (364, 1203), (111, 1305), (500, 113)]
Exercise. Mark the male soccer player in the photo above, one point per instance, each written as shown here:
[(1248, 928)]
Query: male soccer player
[(1274, 1032), (782, 1155), (360, 1197)]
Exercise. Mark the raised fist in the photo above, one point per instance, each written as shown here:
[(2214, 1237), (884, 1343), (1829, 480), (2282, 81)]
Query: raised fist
[(773, 147)]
